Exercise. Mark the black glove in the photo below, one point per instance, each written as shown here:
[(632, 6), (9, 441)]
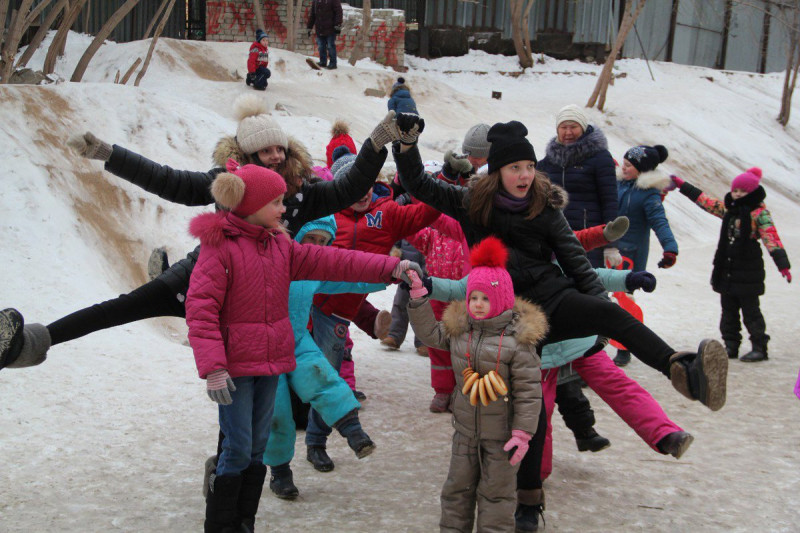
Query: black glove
[(640, 280), (337, 30), (427, 282), (410, 125)]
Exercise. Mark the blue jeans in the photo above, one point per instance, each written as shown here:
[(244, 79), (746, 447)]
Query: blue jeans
[(327, 46), (245, 423), (329, 333)]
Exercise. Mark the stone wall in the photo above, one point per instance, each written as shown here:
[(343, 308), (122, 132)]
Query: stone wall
[(233, 20)]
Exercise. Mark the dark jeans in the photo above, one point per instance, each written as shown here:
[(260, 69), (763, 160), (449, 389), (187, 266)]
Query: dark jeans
[(258, 79), (151, 300), (327, 47), (574, 407), (529, 475), (730, 326)]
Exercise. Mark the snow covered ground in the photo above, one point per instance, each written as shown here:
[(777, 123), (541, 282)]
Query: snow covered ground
[(111, 432)]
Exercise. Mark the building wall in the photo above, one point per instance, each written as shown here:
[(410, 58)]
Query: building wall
[(234, 20)]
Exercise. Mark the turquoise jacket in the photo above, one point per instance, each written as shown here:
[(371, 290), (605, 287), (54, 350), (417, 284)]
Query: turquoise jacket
[(553, 355)]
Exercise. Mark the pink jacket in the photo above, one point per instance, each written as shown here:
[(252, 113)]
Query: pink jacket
[(237, 304), (445, 248)]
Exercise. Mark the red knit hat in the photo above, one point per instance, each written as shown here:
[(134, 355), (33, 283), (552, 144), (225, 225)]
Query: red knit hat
[(489, 275), (748, 181), (340, 133), (246, 189)]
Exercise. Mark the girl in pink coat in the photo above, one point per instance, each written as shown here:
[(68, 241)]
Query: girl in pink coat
[(239, 329)]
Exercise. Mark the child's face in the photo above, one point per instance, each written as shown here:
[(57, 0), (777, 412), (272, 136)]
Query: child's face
[(569, 132), (479, 304), (738, 193), (629, 171), (315, 238), (272, 156), (270, 215), (517, 177), (476, 162), (363, 204), (264, 41)]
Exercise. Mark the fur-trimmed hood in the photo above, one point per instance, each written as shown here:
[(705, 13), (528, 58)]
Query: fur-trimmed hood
[(295, 170), (528, 322), (655, 179), (590, 143), (213, 228)]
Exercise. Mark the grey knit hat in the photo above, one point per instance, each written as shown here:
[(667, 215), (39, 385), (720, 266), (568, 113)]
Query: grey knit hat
[(258, 132), (342, 164), (475, 143)]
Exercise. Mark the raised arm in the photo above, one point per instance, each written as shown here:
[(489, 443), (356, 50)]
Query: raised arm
[(708, 203)]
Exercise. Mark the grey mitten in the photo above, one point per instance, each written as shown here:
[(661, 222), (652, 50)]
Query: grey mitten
[(385, 132), (410, 126), (616, 228), (399, 271), (458, 163), (90, 147), (219, 386)]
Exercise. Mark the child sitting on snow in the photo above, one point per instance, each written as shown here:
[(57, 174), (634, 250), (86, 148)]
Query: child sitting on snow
[(492, 342), (738, 274), (258, 61)]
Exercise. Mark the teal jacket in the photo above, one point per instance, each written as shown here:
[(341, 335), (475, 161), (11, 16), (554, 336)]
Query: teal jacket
[(553, 355)]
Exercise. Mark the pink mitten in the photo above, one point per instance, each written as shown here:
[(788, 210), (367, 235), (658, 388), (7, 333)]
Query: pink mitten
[(519, 439), (418, 290), (678, 181), (786, 274)]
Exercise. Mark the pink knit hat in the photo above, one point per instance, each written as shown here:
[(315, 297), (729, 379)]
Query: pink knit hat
[(246, 189), (489, 275), (748, 181)]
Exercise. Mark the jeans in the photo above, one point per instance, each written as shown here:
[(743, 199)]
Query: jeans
[(327, 46), (245, 423), (259, 78)]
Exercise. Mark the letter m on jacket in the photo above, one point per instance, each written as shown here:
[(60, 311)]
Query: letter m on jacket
[(376, 220)]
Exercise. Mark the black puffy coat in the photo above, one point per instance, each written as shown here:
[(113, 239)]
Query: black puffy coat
[(186, 187), (325, 15), (586, 170)]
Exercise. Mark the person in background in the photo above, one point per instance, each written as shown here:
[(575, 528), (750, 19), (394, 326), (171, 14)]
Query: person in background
[(258, 62), (326, 18), (400, 99)]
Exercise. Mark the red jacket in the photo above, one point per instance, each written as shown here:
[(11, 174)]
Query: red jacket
[(259, 57), (374, 230)]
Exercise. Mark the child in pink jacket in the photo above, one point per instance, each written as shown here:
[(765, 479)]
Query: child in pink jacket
[(239, 329)]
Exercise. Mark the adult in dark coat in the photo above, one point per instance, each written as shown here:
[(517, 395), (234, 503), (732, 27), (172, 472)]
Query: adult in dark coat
[(326, 17)]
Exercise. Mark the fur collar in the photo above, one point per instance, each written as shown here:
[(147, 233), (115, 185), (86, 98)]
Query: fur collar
[(558, 197), (213, 228), (590, 143), (528, 323), (655, 179), (749, 202)]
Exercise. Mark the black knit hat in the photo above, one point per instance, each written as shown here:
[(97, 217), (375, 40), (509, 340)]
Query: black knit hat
[(646, 158), (508, 144)]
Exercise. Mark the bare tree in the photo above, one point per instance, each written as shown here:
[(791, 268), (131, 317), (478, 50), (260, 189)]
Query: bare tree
[(60, 40), (601, 88), (41, 33), (157, 34), (293, 11), (3, 13), (520, 30), (130, 71), (100, 38), (363, 33), (792, 64), (259, 15), (11, 42), (153, 20)]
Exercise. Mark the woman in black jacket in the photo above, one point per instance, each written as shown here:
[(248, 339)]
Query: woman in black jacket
[(259, 140), (515, 203)]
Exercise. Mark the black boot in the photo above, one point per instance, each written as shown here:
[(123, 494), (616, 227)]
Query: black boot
[(701, 375), (221, 505), (622, 358), (732, 349), (758, 353), (317, 456), (350, 428), (250, 494), (526, 518), (675, 443), (11, 324), (281, 482), (590, 441)]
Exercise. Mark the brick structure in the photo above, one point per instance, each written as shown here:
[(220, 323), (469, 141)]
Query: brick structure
[(234, 20)]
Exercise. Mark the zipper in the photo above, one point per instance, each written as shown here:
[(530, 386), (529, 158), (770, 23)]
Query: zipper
[(477, 369)]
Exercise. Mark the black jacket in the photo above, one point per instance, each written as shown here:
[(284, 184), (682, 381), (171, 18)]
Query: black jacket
[(325, 15), (531, 243), (186, 187)]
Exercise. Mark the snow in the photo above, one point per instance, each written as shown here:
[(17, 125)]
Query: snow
[(111, 432)]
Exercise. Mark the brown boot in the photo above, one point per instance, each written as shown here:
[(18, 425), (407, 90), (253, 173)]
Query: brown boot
[(701, 375), (390, 342), (383, 321)]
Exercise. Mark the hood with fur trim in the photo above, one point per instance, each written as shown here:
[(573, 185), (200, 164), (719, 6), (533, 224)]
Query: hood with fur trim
[(655, 179), (213, 228), (528, 323), (590, 143), (295, 170)]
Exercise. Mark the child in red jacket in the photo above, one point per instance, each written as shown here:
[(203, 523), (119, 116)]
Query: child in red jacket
[(258, 61), (238, 316)]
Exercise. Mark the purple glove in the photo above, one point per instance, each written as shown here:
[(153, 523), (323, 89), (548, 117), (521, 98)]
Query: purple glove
[(668, 260), (519, 440), (418, 290), (219, 386), (786, 274), (640, 280)]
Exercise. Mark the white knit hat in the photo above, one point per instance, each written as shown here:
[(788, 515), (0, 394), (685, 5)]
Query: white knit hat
[(573, 113), (257, 130)]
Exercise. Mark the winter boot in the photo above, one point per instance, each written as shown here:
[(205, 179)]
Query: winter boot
[(360, 396), (758, 353), (440, 403), (622, 358), (530, 508), (590, 441), (318, 456), (281, 482), (422, 350), (210, 470), (250, 494), (11, 337), (383, 321), (221, 504), (675, 443), (157, 263), (390, 342), (33, 349), (703, 375), (350, 428), (732, 349)]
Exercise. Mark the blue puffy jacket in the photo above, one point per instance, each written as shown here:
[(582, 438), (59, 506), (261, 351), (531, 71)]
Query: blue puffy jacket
[(401, 101)]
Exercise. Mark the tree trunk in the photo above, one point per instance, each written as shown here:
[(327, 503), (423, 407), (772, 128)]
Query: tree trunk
[(60, 40), (130, 71), (153, 21), (34, 14), (259, 16), (3, 14), (525, 59), (603, 80), (105, 31), (792, 64), (363, 33), (11, 42), (41, 33), (294, 8), (159, 29)]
